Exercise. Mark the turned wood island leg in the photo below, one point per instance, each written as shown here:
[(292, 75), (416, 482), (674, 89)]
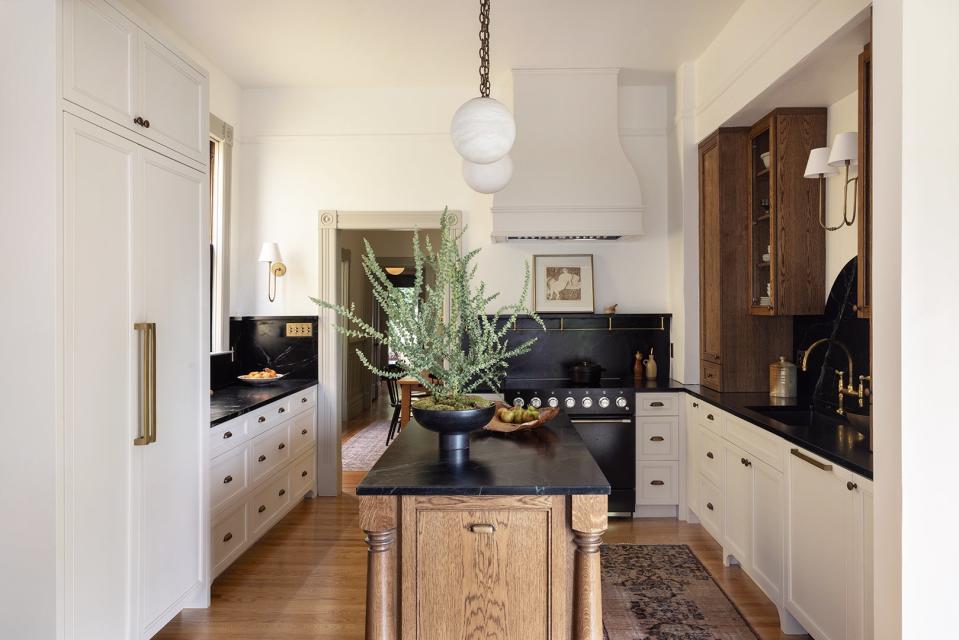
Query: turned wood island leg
[(589, 524), (378, 521)]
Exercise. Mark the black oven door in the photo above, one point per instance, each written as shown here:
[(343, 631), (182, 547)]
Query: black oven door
[(612, 442)]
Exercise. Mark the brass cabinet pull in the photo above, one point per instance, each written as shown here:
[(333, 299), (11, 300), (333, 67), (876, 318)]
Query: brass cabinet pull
[(695, 405), (709, 416), (303, 433), (261, 458), (304, 400), (482, 528), (852, 486), (227, 537), (745, 462), (303, 474), (657, 439), (282, 492), (227, 435), (146, 124), (148, 383), (281, 410), (281, 446), (709, 505), (709, 454), (657, 483), (656, 404), (261, 509), (261, 419), (228, 480), (819, 465)]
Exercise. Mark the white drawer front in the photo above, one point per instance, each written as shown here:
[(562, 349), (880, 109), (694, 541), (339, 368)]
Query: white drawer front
[(227, 435), (711, 417), (267, 503), (658, 483), (229, 476), (228, 537), (265, 418), (303, 400), (709, 458), (762, 444), (303, 431), (710, 509), (271, 450), (302, 472), (657, 438), (657, 404)]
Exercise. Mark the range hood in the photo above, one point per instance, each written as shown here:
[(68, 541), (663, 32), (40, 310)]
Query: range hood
[(571, 178)]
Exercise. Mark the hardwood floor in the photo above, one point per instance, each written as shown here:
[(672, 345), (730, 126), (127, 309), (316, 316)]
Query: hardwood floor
[(306, 577)]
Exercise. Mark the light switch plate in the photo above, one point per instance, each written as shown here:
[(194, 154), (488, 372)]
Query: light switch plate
[(299, 329)]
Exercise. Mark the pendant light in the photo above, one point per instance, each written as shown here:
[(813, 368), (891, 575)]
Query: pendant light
[(483, 130)]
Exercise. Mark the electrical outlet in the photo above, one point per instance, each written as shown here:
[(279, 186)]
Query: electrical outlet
[(299, 329)]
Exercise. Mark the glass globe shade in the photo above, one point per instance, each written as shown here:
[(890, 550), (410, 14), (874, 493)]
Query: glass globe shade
[(488, 178), (483, 130)]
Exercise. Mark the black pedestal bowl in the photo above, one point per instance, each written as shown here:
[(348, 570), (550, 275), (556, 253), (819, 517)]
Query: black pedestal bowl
[(454, 427)]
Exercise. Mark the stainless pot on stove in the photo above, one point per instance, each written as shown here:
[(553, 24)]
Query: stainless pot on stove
[(586, 373)]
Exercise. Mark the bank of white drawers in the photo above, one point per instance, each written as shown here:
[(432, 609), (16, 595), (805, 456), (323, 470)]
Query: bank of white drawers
[(262, 464), (657, 452)]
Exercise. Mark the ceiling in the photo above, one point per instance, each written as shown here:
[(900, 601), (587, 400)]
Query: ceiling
[(393, 43)]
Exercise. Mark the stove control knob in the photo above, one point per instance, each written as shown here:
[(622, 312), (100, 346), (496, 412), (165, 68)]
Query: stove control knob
[(621, 402), (570, 402), (553, 401), (604, 402), (587, 402), (518, 402), (535, 402)]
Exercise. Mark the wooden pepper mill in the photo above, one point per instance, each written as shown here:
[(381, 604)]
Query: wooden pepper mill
[(639, 369)]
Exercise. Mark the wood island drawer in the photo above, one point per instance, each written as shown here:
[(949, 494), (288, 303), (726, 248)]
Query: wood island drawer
[(269, 501), (229, 476), (657, 438), (303, 431), (712, 375), (709, 458), (271, 450), (228, 537), (658, 483), (227, 435), (657, 404)]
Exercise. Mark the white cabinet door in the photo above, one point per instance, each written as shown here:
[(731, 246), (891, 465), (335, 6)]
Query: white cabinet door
[(172, 99), (100, 359), (818, 544), (768, 540), (100, 60), (169, 268), (738, 499), (859, 620)]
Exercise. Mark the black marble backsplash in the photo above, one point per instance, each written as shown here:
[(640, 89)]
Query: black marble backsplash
[(838, 322), (261, 341)]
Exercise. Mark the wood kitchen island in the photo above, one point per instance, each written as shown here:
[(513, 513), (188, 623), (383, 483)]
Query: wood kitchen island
[(502, 544)]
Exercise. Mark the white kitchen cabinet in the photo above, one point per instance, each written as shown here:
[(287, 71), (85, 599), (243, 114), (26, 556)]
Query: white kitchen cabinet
[(120, 72), (133, 223), (768, 535), (737, 500), (660, 456)]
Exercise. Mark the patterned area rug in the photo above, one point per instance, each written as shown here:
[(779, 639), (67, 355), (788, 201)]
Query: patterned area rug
[(664, 592), (362, 450)]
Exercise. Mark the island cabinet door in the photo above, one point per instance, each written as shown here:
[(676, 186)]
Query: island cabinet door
[(483, 574)]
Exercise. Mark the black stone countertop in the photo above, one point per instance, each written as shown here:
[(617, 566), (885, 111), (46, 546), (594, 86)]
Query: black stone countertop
[(237, 399), (549, 460), (831, 441)]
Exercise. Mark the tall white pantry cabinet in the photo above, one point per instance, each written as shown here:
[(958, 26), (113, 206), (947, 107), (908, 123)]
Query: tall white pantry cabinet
[(135, 198)]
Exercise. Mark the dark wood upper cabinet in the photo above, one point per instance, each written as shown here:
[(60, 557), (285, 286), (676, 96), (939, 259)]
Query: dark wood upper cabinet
[(864, 184), (786, 249), (735, 347)]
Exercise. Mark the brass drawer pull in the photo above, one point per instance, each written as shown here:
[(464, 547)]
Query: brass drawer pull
[(709, 454), (482, 528), (282, 492), (261, 458), (303, 474), (227, 537), (745, 462), (710, 416), (657, 483), (657, 439), (852, 486), (281, 446), (695, 405), (656, 404), (227, 435), (261, 419), (281, 410), (303, 433), (261, 509), (819, 465), (709, 505), (304, 400), (228, 480)]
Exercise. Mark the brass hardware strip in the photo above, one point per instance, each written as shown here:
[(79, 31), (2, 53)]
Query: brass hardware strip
[(812, 461), (482, 528), (148, 383), (600, 420)]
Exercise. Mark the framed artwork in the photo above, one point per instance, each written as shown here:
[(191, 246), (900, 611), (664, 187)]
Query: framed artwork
[(563, 284)]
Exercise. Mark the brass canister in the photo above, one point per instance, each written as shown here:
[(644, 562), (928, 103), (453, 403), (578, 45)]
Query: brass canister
[(782, 379)]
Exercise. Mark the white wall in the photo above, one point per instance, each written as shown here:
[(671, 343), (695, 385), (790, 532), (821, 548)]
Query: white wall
[(28, 334), (388, 149), (841, 244)]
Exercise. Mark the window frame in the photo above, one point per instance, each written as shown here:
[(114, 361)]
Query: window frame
[(221, 134)]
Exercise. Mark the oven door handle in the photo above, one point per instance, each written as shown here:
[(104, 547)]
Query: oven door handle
[(601, 421)]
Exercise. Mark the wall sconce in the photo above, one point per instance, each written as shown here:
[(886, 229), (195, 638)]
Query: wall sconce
[(270, 253), (822, 163)]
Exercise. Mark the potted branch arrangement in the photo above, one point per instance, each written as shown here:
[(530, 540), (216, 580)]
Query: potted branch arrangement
[(442, 334)]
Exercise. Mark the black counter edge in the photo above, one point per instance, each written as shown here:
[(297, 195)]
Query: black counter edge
[(304, 383)]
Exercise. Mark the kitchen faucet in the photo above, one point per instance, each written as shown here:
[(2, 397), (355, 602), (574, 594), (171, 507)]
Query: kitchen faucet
[(844, 390)]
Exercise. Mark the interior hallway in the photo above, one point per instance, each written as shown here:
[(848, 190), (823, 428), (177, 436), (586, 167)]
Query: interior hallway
[(364, 436)]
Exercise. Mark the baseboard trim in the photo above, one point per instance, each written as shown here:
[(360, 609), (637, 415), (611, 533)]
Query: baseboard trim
[(656, 511)]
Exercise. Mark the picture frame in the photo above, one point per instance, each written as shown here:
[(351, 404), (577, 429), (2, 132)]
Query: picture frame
[(563, 283)]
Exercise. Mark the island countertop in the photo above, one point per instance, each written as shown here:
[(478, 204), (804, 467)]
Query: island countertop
[(549, 460)]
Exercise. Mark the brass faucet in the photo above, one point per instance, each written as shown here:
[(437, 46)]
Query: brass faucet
[(844, 390)]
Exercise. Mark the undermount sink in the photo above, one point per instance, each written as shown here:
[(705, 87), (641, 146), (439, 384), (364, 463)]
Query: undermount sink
[(849, 427)]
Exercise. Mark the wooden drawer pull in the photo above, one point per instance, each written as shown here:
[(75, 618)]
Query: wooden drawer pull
[(482, 528), (261, 509), (261, 458), (261, 419), (228, 480), (282, 493), (656, 404), (227, 537), (281, 446), (304, 432), (227, 435), (657, 439), (709, 454), (303, 474), (657, 483), (709, 505)]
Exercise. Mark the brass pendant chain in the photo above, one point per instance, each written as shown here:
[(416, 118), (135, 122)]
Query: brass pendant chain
[(484, 48)]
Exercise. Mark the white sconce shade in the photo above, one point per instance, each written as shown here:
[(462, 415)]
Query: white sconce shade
[(818, 164), (270, 252), (488, 178), (845, 146), (483, 130)]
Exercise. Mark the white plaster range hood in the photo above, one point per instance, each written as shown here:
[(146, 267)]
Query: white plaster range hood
[(571, 178)]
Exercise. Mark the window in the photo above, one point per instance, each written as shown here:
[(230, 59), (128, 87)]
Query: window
[(221, 164)]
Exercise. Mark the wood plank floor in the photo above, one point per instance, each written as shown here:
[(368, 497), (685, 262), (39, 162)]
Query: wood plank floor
[(306, 577)]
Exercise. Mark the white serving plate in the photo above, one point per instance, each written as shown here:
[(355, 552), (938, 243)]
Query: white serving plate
[(248, 380)]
